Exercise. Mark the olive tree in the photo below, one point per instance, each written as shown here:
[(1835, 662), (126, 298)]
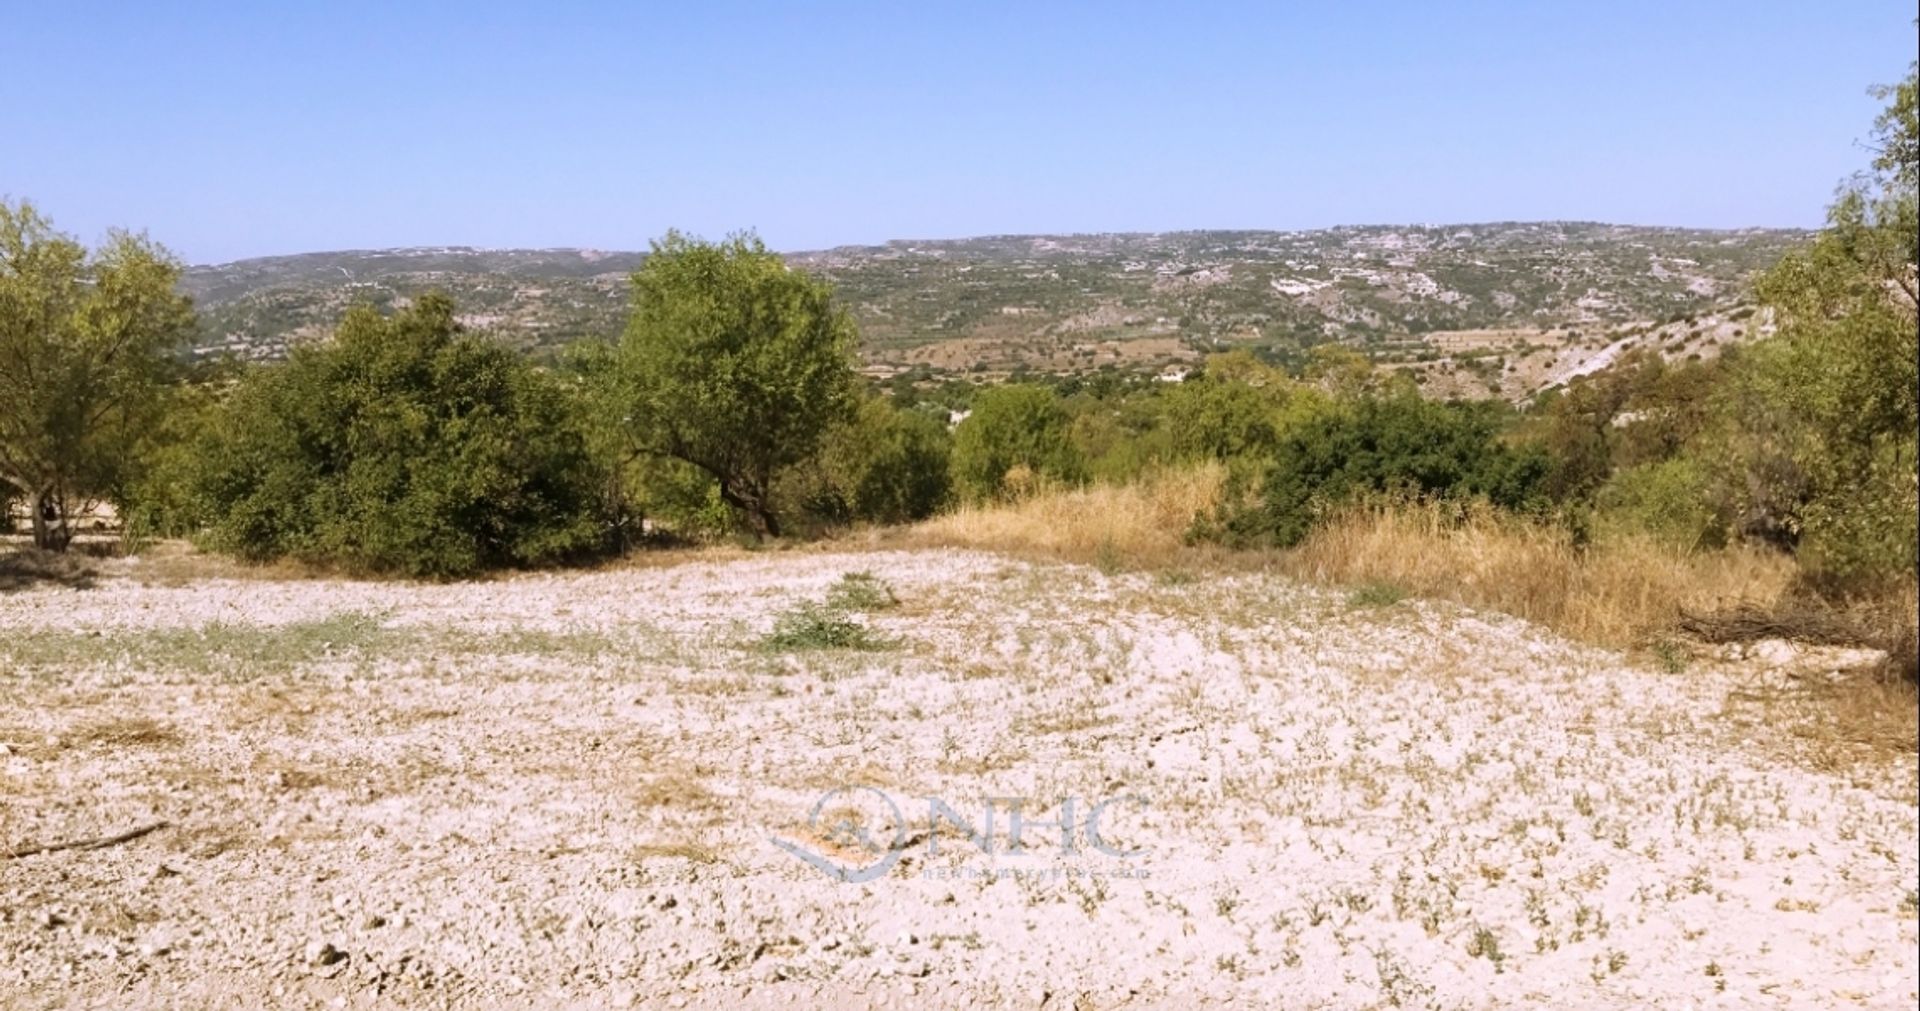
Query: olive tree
[(1820, 419), (86, 342), (732, 363), (401, 445)]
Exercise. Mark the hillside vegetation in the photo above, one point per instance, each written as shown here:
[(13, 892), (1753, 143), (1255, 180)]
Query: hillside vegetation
[(731, 404), (1465, 302)]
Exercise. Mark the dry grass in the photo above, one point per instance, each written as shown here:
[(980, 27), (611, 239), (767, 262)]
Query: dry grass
[(1620, 592), (1623, 593), (23, 566), (1142, 523), (1614, 593)]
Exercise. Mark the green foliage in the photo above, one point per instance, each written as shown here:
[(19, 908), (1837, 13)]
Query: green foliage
[(1818, 423), (812, 626), (1376, 594), (401, 446), (1670, 500), (831, 625), (86, 345), (861, 591), (1119, 436), (734, 364), (158, 499), (1399, 444), (1642, 409), (1014, 426), (1221, 419), (881, 465)]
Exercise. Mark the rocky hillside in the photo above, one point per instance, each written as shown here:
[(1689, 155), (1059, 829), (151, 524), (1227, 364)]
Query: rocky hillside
[(1414, 295)]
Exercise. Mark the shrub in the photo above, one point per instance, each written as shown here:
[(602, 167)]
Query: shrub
[(1014, 426), (883, 465), (813, 626), (1399, 444), (1220, 420), (861, 591), (400, 446), (1376, 593), (1670, 501)]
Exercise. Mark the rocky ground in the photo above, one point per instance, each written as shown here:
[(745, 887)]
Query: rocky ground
[(678, 786)]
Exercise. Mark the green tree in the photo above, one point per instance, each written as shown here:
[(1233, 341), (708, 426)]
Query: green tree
[(402, 445), (86, 345), (734, 364), (1819, 422), (882, 465), (1221, 419), (1016, 425)]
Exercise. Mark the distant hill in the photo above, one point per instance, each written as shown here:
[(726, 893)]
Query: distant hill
[(1420, 296)]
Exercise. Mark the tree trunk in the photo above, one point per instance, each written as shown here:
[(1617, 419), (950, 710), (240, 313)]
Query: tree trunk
[(50, 531), (752, 503)]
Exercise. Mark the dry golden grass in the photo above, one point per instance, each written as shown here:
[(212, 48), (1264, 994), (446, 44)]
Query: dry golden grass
[(1137, 524), (1614, 593), (1617, 592), (1620, 592)]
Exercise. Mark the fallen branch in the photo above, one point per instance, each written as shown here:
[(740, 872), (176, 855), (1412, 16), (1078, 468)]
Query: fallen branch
[(88, 844), (1752, 624)]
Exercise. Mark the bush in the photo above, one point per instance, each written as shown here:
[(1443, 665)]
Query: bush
[(812, 626), (1220, 420), (1399, 444), (883, 465), (1670, 501), (830, 625), (1014, 427), (861, 591), (400, 446)]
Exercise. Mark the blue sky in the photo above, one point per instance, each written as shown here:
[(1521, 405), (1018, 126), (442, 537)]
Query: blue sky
[(245, 129)]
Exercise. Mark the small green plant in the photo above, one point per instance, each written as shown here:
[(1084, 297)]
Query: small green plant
[(815, 626), (1376, 594), (1108, 558), (1175, 577), (861, 591), (1485, 944), (1669, 656)]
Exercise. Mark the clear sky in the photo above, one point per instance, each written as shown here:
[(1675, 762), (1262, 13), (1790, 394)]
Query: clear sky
[(242, 129)]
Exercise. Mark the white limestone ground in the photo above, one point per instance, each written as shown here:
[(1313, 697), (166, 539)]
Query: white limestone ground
[(571, 790)]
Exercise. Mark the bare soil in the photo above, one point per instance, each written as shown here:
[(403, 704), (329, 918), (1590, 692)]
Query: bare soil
[(606, 789)]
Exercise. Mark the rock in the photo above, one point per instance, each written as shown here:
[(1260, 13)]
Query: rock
[(323, 953), (1773, 652)]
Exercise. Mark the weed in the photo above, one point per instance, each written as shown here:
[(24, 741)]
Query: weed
[(814, 626), (861, 591), (1376, 593), (1669, 656), (1485, 944)]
